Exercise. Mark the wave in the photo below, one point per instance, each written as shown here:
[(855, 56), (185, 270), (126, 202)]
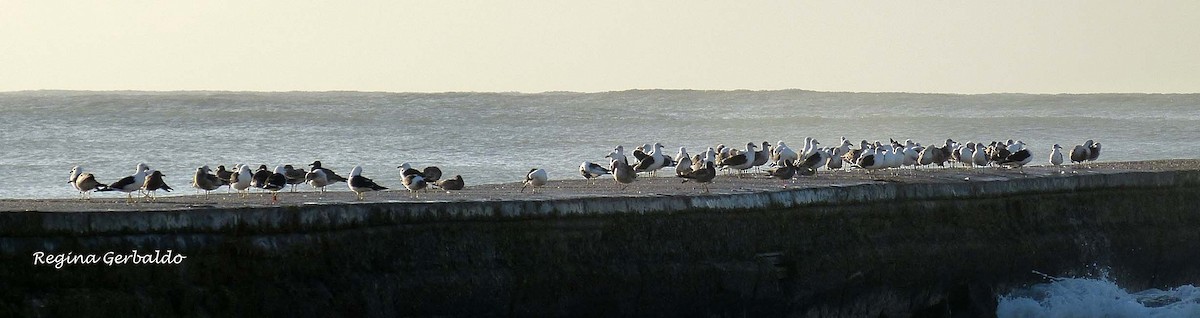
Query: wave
[(1097, 297)]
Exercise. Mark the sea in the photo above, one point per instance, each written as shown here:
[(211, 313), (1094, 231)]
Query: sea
[(492, 138)]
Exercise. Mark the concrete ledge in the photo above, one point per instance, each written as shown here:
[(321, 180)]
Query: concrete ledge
[(861, 248)]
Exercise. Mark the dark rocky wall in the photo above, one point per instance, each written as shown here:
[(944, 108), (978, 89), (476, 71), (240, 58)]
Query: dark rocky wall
[(892, 250)]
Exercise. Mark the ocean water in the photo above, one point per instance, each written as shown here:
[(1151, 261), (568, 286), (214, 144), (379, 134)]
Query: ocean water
[(1098, 297), (496, 137)]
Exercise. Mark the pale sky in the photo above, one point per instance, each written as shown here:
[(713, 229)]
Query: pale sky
[(587, 46)]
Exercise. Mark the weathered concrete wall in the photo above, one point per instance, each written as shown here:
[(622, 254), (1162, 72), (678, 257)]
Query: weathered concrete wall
[(866, 250)]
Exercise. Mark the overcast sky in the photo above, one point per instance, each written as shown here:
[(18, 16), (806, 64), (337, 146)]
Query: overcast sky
[(535, 46)]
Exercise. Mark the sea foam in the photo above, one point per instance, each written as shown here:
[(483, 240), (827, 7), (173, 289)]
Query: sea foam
[(1097, 297)]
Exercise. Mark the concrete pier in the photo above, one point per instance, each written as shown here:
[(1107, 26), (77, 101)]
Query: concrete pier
[(933, 243)]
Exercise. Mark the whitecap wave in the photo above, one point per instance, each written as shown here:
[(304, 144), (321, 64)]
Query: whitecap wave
[(1097, 297)]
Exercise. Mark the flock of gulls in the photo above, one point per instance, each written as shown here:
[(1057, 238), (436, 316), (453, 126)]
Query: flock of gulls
[(781, 162), (147, 182), (787, 164)]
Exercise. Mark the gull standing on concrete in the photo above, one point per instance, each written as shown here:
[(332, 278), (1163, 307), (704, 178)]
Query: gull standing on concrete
[(317, 179), (414, 182), (130, 183), (153, 183), (980, 155), (967, 155), (205, 181), (333, 177), (1082, 152), (85, 183), (762, 156), (783, 153), (276, 182), (1094, 152), (294, 176), (360, 184), (225, 175), (622, 172), (685, 163), (75, 172), (652, 161), (835, 160), (241, 180), (1056, 156), (1018, 159), (590, 171), (428, 176), (808, 145), (260, 177), (641, 152), (682, 159), (873, 160), (703, 176), (810, 163), (741, 161), (407, 170), (709, 155), (536, 178), (785, 172), (619, 151)]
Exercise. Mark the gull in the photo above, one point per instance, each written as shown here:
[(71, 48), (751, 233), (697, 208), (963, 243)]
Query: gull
[(360, 184), (784, 172), (622, 172), (1082, 152), (535, 177), (430, 175), (703, 176), (741, 161), (130, 183), (1056, 155), (873, 160), (783, 153), (86, 182), (317, 179), (225, 175), (651, 162), (762, 156), (455, 183), (205, 181), (259, 180), (684, 165), (414, 182), (980, 157), (590, 171), (153, 183), (276, 182), (966, 155), (75, 172), (1018, 159), (333, 177), (241, 180), (294, 176)]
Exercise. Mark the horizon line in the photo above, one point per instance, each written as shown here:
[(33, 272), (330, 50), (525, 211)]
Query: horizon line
[(575, 92)]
